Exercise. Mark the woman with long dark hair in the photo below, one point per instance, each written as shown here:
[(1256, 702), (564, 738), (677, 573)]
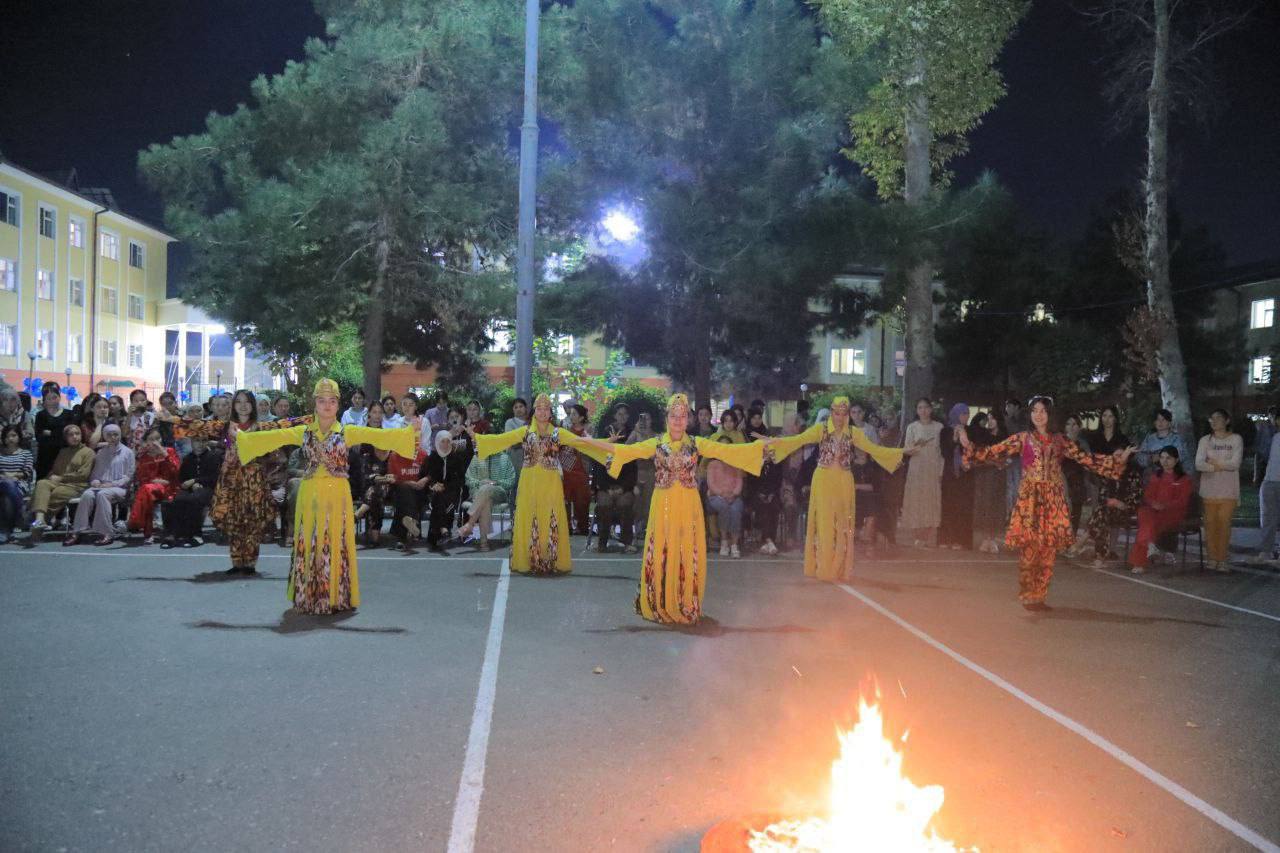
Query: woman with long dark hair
[(988, 487), (956, 530), (1164, 506), (1118, 498)]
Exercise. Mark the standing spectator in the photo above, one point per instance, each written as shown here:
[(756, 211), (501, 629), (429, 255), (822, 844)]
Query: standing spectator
[(183, 514), (96, 417), (724, 495), (490, 481), (756, 427), (704, 428), (1015, 421), (1218, 458), (573, 465), (922, 497), (408, 494), (265, 414), (476, 419), (1269, 491), (281, 408), (621, 425), (67, 478), (1155, 442), (17, 472), (644, 471), (357, 414), (108, 483), (893, 484), (1164, 506), (156, 473), (858, 417), (615, 503), (437, 417), (50, 422), (464, 446), (956, 530), (393, 418), (764, 501), (988, 486), (1077, 489), (220, 409), (168, 405), (139, 420), (519, 418), (409, 417), (1262, 449), (13, 414), (446, 475)]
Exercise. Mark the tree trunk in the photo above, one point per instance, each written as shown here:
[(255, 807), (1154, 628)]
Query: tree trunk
[(1173, 372), (919, 302), (702, 374), (375, 320)]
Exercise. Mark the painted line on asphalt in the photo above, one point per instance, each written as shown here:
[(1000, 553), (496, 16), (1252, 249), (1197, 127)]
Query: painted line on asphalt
[(1214, 814), (466, 808), (1170, 589)]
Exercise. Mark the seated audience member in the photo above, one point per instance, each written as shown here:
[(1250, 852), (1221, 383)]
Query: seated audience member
[(281, 408), (764, 501), (446, 476), (67, 479), (408, 495), (357, 414), (1164, 506), (371, 482), (615, 503), (265, 415), (275, 468), (490, 481), (138, 420), (195, 412), (156, 474), (867, 479), (93, 416), (12, 413), (17, 471), (183, 515), (108, 485)]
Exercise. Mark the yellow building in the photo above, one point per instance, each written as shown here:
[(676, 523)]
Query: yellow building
[(53, 242)]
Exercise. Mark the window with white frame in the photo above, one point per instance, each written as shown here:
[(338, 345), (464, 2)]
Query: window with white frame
[(44, 284), (10, 204), (76, 292), (567, 345), (848, 361), (107, 353), (1262, 314), (75, 233), (8, 339), (109, 246), (44, 343), (500, 333), (137, 255), (1260, 370), (135, 306), (48, 222), (8, 274), (109, 303), (135, 355), (75, 348)]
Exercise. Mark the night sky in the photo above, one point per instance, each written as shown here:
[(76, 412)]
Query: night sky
[(89, 89)]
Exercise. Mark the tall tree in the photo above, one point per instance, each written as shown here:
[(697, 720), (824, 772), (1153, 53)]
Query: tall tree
[(370, 181), (1162, 64), (938, 79)]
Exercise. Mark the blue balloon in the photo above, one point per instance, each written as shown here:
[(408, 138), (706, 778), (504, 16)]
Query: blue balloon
[(71, 393)]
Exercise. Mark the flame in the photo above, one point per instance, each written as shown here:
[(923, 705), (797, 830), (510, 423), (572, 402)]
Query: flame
[(872, 805)]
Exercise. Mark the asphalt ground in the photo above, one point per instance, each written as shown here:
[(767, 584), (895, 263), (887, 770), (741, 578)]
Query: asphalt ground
[(148, 704)]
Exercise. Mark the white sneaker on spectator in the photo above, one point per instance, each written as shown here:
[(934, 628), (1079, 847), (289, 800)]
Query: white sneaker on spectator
[(734, 552), (724, 549)]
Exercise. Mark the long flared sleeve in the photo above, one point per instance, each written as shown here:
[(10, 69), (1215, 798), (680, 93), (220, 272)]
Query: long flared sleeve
[(568, 438), (1102, 464), (783, 447), (254, 443), (487, 444), (624, 453), (203, 430), (748, 457), (399, 439), (888, 458), (994, 452)]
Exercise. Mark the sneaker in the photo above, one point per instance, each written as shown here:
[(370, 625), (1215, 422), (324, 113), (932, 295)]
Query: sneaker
[(1098, 563), (40, 526), (734, 552), (411, 524), (1220, 567), (1137, 570), (769, 549), (724, 549)]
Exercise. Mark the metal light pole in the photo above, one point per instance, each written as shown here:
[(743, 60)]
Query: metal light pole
[(528, 192)]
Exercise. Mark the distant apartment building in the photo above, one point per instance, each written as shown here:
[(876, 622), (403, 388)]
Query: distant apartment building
[(1247, 300)]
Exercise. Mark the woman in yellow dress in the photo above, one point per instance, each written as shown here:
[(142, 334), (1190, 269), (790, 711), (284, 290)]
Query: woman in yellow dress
[(673, 572), (828, 545), (322, 574), (540, 529)]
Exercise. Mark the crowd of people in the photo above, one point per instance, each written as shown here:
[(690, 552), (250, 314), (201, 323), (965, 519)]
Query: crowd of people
[(822, 483)]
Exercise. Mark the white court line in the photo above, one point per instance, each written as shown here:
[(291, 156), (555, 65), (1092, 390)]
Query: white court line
[(1214, 814), (1170, 589), (466, 808)]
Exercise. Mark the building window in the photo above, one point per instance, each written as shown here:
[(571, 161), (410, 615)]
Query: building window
[(8, 274), (135, 306), (75, 348), (137, 255), (44, 284), (77, 292), (9, 208), (44, 343), (108, 354), (110, 301), (568, 345), (75, 233), (8, 339), (135, 355), (1260, 370), (109, 246), (500, 333), (1262, 314), (48, 222), (847, 360), (1041, 314)]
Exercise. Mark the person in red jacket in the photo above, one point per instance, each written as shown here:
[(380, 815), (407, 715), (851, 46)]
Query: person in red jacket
[(157, 478), (409, 495), (1164, 506)]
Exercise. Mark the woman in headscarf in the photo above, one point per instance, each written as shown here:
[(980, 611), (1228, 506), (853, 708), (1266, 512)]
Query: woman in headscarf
[(322, 573), (673, 570), (956, 530), (988, 487), (540, 529), (828, 549)]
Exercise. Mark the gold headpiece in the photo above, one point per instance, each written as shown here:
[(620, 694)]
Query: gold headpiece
[(326, 388), (542, 399), (677, 401), (841, 400)]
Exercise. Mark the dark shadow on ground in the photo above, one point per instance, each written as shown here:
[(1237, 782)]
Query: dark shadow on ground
[(569, 575), (892, 586), (205, 577), (1086, 614), (293, 622), (707, 627)]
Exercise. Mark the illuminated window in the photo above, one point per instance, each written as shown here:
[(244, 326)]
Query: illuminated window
[(75, 348), (848, 361), (135, 306), (75, 233), (1041, 314), (44, 343), (8, 339), (1262, 314), (77, 292), (567, 345), (109, 246), (8, 274), (1260, 370), (44, 284)]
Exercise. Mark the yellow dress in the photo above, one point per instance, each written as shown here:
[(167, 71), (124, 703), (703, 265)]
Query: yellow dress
[(673, 571), (540, 529), (829, 534), (322, 573)]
